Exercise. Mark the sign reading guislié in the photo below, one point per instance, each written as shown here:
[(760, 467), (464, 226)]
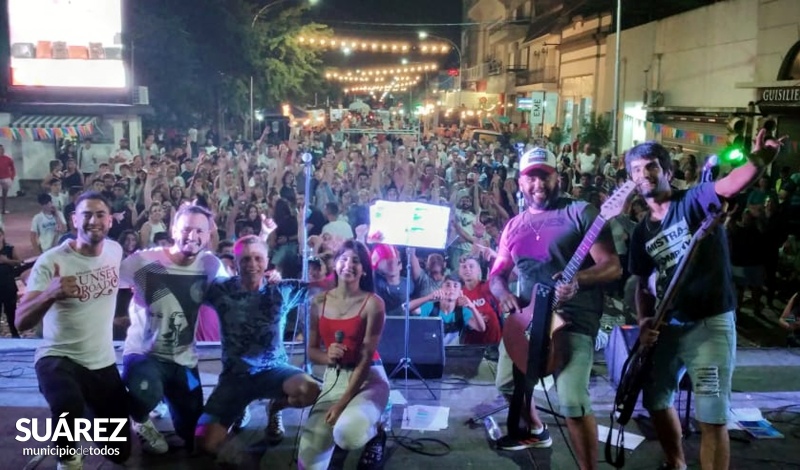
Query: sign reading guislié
[(780, 95)]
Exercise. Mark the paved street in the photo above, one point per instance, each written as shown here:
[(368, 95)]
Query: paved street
[(764, 379)]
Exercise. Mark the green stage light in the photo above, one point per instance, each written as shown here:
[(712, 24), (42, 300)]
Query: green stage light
[(734, 155)]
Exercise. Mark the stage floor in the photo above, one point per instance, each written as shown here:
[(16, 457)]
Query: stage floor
[(768, 379)]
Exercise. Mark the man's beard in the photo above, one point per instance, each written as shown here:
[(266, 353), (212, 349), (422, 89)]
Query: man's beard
[(91, 237), (550, 198)]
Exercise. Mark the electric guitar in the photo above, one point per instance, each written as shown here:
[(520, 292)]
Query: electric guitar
[(636, 369), (531, 336)]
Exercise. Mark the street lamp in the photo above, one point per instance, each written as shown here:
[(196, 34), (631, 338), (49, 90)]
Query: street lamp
[(253, 25), (424, 35)]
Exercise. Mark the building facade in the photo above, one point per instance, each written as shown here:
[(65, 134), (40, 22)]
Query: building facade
[(686, 78)]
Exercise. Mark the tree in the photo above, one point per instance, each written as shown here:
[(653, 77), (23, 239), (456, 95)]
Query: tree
[(197, 58), (286, 70), (596, 131)]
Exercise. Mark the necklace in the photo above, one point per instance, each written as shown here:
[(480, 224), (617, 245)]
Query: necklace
[(536, 231)]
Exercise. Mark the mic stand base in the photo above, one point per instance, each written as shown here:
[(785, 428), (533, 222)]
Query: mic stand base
[(405, 364)]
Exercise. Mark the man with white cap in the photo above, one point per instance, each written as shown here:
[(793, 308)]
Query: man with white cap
[(539, 243)]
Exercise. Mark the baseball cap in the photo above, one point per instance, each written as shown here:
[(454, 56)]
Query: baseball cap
[(537, 158), (382, 252)]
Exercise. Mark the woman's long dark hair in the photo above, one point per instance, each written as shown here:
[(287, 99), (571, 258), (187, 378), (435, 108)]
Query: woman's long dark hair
[(283, 210), (366, 283)]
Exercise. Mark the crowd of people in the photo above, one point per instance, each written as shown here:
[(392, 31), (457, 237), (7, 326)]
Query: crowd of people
[(196, 240)]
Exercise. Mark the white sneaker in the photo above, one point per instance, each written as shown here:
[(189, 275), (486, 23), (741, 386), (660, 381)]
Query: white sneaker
[(75, 463), (242, 422), (152, 440), (160, 411)]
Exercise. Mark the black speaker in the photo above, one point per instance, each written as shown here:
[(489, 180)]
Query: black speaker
[(620, 344), (425, 345)]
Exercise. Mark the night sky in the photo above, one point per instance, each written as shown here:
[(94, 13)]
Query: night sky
[(339, 13)]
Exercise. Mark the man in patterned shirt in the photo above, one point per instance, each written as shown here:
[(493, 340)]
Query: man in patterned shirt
[(252, 316)]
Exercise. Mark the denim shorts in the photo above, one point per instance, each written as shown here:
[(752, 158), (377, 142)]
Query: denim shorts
[(235, 391), (706, 349), (572, 383)]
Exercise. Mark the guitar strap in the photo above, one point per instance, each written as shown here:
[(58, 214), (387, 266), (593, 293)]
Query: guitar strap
[(521, 401)]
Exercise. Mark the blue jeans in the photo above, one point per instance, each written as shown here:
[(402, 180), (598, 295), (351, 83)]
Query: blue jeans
[(150, 379), (706, 349)]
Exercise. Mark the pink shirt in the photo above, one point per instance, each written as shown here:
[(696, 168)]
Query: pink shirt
[(207, 324)]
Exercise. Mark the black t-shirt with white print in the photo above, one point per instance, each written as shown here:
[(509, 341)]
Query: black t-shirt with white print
[(707, 290)]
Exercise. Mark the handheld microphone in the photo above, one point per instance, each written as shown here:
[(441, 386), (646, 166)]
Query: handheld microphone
[(339, 337), (706, 176)]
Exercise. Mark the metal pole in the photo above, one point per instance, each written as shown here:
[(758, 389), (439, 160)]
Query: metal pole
[(615, 111), (308, 162), (252, 111)]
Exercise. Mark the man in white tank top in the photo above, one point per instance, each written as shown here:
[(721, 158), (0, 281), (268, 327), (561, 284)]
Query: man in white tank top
[(72, 290)]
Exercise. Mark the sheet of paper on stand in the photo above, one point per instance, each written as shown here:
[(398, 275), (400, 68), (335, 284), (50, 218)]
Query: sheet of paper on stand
[(548, 384), (632, 441), (743, 414), (425, 418), (396, 398), (761, 429)]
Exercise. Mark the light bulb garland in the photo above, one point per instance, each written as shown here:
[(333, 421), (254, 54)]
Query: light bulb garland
[(335, 74), (369, 78), (365, 45)]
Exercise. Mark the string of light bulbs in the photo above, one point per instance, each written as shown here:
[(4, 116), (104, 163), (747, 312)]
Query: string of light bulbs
[(371, 72), (364, 45), (371, 78), (387, 89), (381, 86)]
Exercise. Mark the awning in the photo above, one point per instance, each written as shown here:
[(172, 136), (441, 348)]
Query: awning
[(49, 127), (32, 121)]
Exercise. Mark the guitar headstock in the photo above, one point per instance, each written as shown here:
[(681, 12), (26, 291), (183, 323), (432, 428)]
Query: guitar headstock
[(616, 201), (716, 214)]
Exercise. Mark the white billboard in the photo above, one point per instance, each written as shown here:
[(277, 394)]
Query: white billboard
[(66, 43)]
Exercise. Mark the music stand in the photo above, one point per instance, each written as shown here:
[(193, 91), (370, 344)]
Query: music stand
[(412, 225)]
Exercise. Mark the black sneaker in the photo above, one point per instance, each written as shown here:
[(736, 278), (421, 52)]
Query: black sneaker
[(374, 454), (539, 441)]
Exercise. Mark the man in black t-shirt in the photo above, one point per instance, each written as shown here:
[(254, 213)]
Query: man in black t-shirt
[(700, 335)]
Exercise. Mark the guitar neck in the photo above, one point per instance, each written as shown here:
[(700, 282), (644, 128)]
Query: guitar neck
[(662, 307), (582, 252)]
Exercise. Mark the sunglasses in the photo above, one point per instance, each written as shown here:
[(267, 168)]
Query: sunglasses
[(465, 258)]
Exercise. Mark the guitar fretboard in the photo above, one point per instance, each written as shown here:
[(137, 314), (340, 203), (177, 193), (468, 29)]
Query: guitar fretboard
[(579, 257)]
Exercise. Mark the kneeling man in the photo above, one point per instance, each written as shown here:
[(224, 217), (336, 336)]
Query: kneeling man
[(252, 316)]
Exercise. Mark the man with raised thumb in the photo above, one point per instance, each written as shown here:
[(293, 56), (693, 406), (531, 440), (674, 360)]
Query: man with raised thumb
[(72, 291)]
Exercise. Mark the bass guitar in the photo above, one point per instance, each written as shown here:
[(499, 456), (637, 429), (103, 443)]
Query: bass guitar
[(636, 369), (531, 336)]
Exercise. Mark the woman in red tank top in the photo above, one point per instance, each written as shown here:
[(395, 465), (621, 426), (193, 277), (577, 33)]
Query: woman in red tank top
[(345, 328)]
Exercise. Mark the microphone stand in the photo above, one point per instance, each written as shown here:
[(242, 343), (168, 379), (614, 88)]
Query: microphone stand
[(308, 162), (405, 364), (707, 176)]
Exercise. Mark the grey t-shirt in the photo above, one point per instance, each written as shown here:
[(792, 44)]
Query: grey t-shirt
[(542, 245)]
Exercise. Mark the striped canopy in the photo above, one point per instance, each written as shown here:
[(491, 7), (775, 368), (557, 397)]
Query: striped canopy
[(31, 121)]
